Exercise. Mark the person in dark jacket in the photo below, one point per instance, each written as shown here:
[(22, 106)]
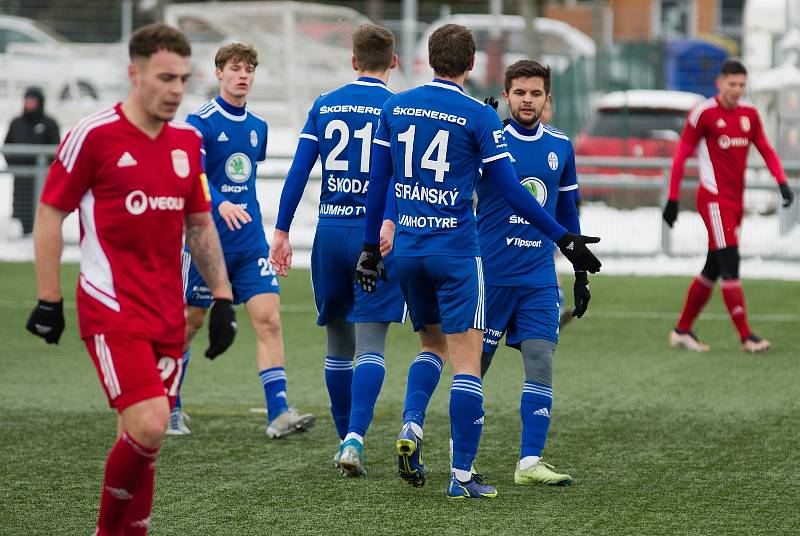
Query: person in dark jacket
[(33, 126)]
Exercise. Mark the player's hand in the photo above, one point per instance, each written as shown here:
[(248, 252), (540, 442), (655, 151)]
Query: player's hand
[(670, 212), (580, 292), (574, 249), (221, 327), (491, 101), (234, 215), (47, 321), (787, 194), (387, 237), (280, 252), (369, 267)]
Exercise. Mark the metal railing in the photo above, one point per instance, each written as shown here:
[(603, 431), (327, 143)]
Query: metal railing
[(644, 194)]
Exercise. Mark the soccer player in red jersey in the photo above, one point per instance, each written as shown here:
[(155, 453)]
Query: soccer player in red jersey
[(136, 179), (722, 128)]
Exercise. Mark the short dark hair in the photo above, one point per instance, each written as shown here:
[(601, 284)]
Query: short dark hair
[(149, 39), (236, 52), (527, 69), (373, 47), (732, 67), (451, 49)]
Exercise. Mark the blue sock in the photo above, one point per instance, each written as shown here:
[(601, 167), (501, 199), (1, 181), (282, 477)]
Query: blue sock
[(423, 377), (274, 382), (534, 408), (187, 355), (339, 380), (367, 382), (466, 419)]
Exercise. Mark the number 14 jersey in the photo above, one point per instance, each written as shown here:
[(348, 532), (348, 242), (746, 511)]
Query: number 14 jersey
[(438, 136)]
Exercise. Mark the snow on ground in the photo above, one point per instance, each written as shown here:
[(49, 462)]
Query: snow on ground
[(631, 239)]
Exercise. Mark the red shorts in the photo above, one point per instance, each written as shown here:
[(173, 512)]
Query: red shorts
[(133, 369), (722, 223)]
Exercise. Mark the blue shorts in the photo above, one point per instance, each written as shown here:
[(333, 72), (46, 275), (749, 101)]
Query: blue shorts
[(520, 313), (334, 256), (250, 273), (443, 290)]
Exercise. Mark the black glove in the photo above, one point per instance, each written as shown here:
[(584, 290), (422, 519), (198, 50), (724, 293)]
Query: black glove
[(670, 213), (574, 249), (787, 194), (491, 101), (221, 327), (580, 291), (369, 267), (47, 321)]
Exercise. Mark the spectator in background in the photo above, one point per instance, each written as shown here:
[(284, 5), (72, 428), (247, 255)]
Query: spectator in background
[(34, 127)]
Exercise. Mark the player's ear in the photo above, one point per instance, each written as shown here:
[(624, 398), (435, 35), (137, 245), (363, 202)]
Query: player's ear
[(504, 94), (354, 61), (218, 73), (133, 72), (394, 62), (471, 63)]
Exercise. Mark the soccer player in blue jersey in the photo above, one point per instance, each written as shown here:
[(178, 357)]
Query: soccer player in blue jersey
[(433, 140), (234, 140), (339, 129), (522, 299)]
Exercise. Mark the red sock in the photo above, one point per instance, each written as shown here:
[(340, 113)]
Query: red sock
[(137, 518), (734, 300), (697, 297), (126, 470)]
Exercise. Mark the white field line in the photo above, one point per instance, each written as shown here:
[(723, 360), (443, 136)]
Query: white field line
[(591, 313)]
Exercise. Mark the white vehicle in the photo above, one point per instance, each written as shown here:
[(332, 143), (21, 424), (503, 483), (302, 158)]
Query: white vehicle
[(559, 41), (32, 54), (304, 49)]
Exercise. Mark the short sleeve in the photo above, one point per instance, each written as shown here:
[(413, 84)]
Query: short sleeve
[(310, 128), (262, 154), (71, 173), (489, 136), (382, 134), (569, 178), (199, 199)]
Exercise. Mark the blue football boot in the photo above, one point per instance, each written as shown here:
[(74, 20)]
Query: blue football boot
[(409, 457), (475, 488)]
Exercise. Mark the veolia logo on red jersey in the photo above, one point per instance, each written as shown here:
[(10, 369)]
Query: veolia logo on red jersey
[(726, 142), (138, 202)]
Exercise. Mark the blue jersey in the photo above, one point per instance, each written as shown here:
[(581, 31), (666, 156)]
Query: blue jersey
[(234, 140), (438, 137), (515, 253), (343, 123)]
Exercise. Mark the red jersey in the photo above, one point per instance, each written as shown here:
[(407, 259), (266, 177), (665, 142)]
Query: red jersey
[(722, 137), (133, 194)]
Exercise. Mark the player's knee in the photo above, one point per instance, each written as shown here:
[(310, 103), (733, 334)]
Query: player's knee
[(149, 425), (729, 261), (341, 337), (268, 324), (711, 270), (537, 358)]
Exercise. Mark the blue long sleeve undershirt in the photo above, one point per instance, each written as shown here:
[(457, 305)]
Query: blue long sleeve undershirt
[(304, 159), (380, 176), (567, 211)]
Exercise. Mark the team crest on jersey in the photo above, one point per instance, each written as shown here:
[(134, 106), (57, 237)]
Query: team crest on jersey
[(721, 123), (238, 167), (552, 160), (537, 188), (180, 163), (745, 122), (253, 138)]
